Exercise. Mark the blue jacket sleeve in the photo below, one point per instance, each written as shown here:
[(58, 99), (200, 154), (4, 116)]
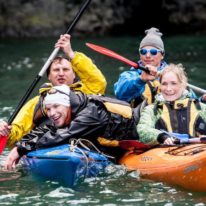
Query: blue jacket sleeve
[(129, 85)]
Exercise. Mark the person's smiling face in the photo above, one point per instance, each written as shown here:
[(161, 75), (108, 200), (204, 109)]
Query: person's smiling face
[(150, 59), (59, 114), (171, 87)]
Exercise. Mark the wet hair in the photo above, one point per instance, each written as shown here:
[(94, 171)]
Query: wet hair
[(178, 70), (57, 59)]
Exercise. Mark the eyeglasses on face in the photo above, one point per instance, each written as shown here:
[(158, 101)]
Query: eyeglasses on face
[(151, 51)]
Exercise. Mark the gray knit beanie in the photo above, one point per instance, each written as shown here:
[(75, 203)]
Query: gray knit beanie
[(152, 38)]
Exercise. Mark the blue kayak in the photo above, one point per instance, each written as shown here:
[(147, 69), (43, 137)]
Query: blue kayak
[(66, 165)]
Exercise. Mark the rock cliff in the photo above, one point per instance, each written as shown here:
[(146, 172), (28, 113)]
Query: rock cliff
[(33, 18)]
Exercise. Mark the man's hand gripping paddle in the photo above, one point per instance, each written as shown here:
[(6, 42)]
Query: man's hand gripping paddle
[(114, 55)]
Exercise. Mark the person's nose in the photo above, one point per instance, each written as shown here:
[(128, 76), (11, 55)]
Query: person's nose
[(51, 113), (148, 54), (61, 72), (168, 88)]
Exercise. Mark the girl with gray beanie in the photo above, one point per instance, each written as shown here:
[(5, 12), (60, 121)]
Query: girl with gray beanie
[(136, 85)]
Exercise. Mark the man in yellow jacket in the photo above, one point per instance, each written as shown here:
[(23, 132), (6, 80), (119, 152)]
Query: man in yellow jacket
[(61, 71)]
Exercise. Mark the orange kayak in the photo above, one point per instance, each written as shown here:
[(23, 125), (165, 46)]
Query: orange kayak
[(184, 166)]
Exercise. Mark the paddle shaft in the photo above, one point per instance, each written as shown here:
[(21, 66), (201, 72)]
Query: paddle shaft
[(114, 55), (193, 140), (41, 73), (135, 144), (197, 89)]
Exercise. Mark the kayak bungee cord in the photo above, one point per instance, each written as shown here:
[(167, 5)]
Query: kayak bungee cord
[(80, 141), (73, 148)]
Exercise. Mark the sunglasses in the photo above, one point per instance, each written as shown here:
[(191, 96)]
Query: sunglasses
[(153, 51), (54, 91)]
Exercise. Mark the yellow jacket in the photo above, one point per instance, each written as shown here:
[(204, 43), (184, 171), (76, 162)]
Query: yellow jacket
[(91, 81)]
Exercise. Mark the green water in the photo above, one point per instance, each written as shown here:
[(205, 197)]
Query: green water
[(21, 60)]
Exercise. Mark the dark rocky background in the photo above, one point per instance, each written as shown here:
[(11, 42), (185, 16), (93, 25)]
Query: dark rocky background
[(39, 18)]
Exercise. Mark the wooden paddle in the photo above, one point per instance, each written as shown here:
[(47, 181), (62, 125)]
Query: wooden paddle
[(3, 139), (114, 55)]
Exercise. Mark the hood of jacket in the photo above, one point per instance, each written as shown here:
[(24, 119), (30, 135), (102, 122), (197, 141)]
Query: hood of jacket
[(78, 102)]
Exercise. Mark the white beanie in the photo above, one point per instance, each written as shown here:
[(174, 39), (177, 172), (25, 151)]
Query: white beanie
[(152, 38), (58, 95)]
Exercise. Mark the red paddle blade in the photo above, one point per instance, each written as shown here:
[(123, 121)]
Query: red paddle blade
[(112, 54), (3, 140), (133, 144)]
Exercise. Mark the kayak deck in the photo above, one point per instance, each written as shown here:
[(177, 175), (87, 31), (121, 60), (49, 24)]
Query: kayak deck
[(184, 166), (62, 165)]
